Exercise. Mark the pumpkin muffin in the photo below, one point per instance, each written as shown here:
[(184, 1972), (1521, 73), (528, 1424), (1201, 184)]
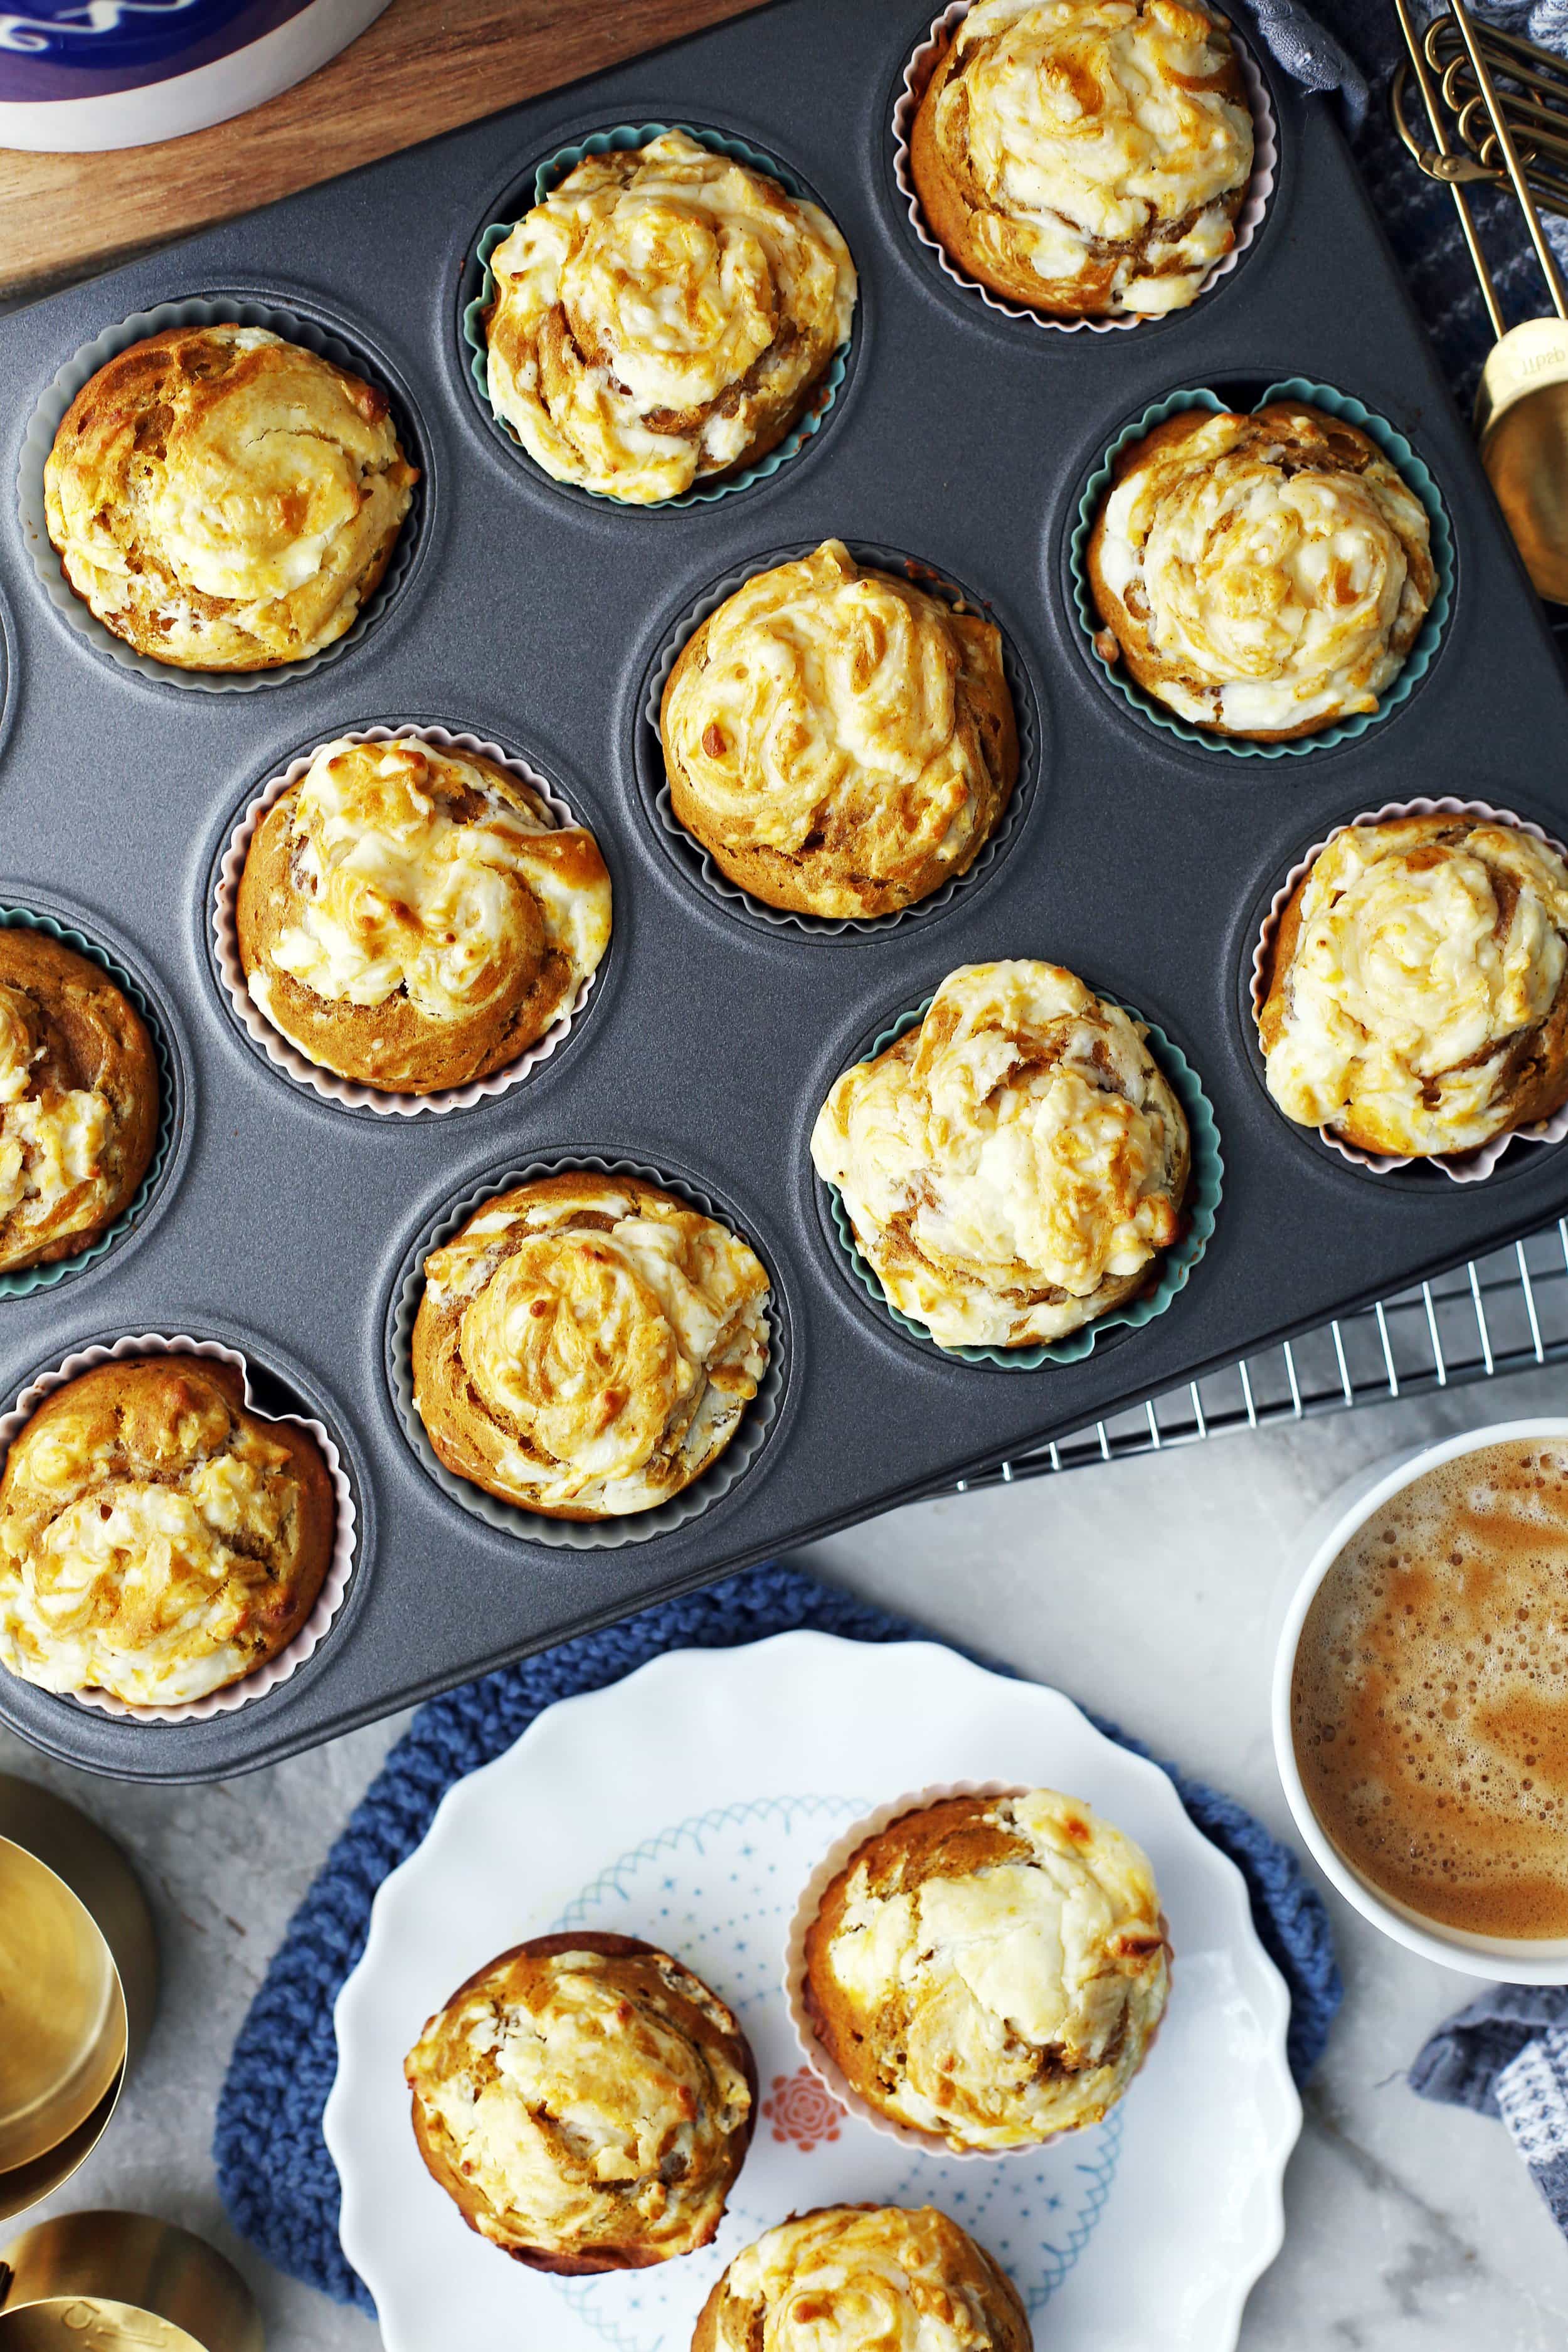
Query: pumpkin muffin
[(1085, 158), (414, 918), (1417, 987), (586, 2103), (663, 317), (225, 501), (1012, 1166), (1262, 575), (79, 1100), (158, 1539), (840, 741), (990, 1971), (587, 1344), (809, 2284)]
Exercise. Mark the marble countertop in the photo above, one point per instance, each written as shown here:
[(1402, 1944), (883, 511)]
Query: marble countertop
[(1145, 1590)]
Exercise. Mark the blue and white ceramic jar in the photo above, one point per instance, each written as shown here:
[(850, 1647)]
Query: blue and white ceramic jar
[(79, 73)]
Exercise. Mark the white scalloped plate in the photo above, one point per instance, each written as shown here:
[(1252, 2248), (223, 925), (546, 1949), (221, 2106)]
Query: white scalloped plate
[(687, 1804)]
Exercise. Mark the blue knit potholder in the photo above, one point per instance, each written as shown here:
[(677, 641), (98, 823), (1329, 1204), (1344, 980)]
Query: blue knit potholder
[(276, 2176)]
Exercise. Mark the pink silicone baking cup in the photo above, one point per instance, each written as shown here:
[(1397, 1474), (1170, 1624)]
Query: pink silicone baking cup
[(280, 1050), (1462, 1168), (811, 2049), (340, 1568), (1255, 203)]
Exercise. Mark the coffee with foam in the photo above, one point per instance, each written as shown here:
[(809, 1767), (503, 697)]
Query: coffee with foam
[(1429, 1699)]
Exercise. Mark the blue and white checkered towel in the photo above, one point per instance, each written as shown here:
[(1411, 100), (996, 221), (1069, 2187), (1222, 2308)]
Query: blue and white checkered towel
[(1507, 2054)]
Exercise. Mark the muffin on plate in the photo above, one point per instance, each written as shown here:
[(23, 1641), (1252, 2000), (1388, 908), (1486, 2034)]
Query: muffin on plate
[(840, 741), (817, 2280), (79, 1100), (989, 1970), (1261, 575), (1086, 158), (1416, 998), (587, 1344), (663, 317), (587, 2102), (158, 1539), (414, 918), (222, 500), (1012, 1166)]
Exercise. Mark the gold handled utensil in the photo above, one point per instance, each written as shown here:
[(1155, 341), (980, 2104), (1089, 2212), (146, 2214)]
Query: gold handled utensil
[(79, 1974), (121, 2283), (1522, 408)]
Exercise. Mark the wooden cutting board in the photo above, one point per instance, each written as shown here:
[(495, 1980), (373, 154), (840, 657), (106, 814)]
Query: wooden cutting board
[(425, 65)]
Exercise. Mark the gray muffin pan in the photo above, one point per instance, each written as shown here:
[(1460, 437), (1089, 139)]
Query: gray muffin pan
[(533, 616)]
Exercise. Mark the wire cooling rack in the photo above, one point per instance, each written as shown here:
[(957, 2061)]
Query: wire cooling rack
[(1507, 1312)]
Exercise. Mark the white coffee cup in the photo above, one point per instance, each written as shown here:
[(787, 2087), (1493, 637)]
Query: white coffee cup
[(1511, 1960)]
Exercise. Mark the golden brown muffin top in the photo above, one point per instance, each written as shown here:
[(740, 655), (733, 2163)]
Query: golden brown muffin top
[(1424, 955), (158, 1539), (851, 726), (1008, 1159), (587, 2099), (79, 1099), (990, 1968), (430, 886), (585, 1342), (220, 497), (1275, 568), (1091, 153), (660, 316), (864, 2278)]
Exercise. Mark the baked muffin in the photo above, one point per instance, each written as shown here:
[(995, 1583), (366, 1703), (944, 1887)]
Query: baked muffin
[(1085, 158), (1415, 999), (990, 1970), (415, 917), (663, 317), (222, 500), (587, 1344), (841, 742), (158, 1539), (1260, 575), (79, 1100), (1012, 1166), (864, 2278), (586, 2103)]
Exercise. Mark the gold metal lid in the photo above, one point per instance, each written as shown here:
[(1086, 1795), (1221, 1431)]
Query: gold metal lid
[(121, 2283)]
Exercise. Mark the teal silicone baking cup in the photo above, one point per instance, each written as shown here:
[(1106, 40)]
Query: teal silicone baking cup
[(1203, 1185), (548, 175), (1396, 448), (26, 1280)]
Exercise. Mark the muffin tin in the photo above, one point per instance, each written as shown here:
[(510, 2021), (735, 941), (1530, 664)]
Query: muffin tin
[(532, 618)]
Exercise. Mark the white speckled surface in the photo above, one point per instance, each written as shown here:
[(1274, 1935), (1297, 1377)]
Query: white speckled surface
[(1145, 1590)]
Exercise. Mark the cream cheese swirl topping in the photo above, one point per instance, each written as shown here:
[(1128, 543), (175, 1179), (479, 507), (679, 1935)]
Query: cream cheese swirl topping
[(1021, 1142), (844, 2280), (1085, 126), (656, 311), (1057, 1949), (1278, 586), (414, 874), (828, 696), (1417, 964), (563, 2088), (52, 1138)]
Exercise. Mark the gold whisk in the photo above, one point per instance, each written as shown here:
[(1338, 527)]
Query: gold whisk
[(1522, 409)]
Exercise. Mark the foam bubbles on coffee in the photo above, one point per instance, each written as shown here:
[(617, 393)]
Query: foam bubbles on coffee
[(1430, 1702)]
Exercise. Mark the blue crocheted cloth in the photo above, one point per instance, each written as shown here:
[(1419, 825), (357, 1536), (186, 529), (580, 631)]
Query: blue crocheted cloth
[(274, 2172)]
